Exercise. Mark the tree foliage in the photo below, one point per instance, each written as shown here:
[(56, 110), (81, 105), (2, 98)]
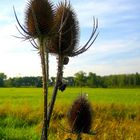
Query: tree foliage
[(24, 82), (80, 79), (2, 79)]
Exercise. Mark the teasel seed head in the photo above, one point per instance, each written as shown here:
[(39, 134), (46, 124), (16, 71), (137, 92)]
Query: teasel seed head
[(80, 115), (67, 30), (39, 17)]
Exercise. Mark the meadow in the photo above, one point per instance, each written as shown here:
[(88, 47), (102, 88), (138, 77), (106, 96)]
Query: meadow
[(116, 113)]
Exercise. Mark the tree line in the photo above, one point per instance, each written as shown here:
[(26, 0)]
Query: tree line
[(80, 79)]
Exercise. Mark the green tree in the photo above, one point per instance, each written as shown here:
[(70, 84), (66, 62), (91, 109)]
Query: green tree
[(92, 80), (80, 78), (137, 76), (70, 80), (2, 79)]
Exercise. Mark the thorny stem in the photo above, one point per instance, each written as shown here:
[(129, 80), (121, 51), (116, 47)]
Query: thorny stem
[(58, 80), (45, 86)]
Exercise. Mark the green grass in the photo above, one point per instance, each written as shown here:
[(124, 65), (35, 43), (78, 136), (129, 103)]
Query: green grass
[(34, 96), (116, 111)]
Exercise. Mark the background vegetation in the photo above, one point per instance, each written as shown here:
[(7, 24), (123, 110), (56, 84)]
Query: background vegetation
[(116, 113), (80, 79)]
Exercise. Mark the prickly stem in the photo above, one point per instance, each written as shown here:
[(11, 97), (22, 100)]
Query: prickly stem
[(45, 87), (58, 80)]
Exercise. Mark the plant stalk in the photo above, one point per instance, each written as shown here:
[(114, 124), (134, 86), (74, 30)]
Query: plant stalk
[(58, 80), (45, 87)]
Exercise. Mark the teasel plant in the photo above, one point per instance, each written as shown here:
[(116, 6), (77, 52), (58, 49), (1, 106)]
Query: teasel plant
[(38, 30), (67, 31), (65, 43), (56, 31), (80, 117)]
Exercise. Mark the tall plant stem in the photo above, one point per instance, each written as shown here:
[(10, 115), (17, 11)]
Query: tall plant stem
[(45, 86), (58, 80)]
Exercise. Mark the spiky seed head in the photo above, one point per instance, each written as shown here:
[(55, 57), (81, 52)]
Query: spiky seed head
[(80, 115), (39, 17), (66, 22)]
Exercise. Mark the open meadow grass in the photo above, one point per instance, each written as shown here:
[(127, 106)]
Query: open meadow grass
[(116, 113)]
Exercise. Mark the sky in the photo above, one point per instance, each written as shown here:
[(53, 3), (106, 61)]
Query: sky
[(115, 51)]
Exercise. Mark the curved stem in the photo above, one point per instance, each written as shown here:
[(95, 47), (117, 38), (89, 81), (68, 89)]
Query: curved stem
[(58, 80)]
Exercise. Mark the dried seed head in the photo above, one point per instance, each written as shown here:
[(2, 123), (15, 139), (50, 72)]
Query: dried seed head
[(66, 25), (39, 17), (80, 115)]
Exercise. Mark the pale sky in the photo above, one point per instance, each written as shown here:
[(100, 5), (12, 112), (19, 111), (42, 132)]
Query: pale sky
[(116, 50)]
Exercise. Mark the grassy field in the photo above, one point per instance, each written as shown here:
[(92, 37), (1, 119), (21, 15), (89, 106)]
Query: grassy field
[(116, 113)]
